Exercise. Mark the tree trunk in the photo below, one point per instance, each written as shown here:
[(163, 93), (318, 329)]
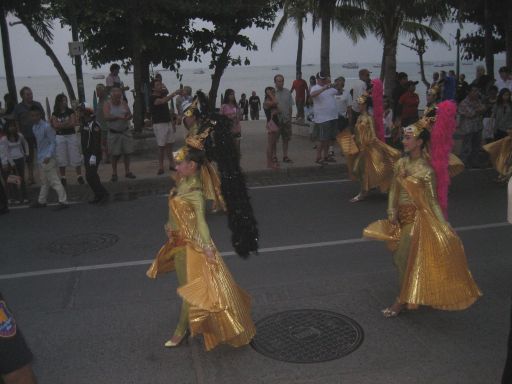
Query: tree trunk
[(390, 45), (146, 87), (422, 70), (56, 63), (508, 38), (220, 66), (9, 71), (138, 67), (325, 45), (488, 42), (383, 64), (78, 67), (298, 63)]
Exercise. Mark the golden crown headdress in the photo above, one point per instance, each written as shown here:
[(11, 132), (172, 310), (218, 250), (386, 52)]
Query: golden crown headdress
[(416, 128), (363, 98), (189, 112), (434, 90), (192, 141)]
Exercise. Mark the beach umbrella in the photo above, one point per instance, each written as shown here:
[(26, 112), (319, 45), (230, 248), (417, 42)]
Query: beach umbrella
[(48, 109), (94, 100)]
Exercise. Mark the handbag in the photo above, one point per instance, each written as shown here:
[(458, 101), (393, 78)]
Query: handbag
[(272, 126), (14, 179)]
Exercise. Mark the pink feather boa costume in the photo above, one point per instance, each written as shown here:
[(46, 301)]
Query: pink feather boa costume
[(441, 143)]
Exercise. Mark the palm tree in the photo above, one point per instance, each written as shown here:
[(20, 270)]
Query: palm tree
[(345, 15), (39, 23), (294, 11), (388, 19)]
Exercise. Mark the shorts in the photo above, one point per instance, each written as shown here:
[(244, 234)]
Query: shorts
[(164, 134), (120, 143), (285, 130), (342, 123), (32, 148), (14, 352), (68, 151), (325, 131)]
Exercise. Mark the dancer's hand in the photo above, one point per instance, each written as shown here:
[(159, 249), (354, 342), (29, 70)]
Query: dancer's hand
[(210, 256)]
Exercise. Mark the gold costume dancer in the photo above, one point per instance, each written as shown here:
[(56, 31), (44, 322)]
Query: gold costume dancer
[(369, 160), (427, 253), (213, 304), (500, 154)]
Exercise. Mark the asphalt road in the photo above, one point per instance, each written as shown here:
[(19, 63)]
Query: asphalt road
[(94, 317)]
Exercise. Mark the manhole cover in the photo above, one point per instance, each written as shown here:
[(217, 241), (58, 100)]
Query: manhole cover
[(83, 243), (307, 336)]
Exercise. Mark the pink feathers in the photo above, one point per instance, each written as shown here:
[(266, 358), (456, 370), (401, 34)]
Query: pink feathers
[(440, 148)]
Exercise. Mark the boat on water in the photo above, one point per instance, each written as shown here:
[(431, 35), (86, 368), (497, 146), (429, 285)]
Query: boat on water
[(444, 65), (98, 77), (308, 65), (275, 68), (376, 66), (350, 65), (198, 72), (426, 63)]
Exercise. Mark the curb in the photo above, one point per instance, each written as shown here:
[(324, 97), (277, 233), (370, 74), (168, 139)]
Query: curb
[(126, 190)]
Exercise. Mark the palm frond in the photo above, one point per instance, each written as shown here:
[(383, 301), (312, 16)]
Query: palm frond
[(278, 32), (410, 27)]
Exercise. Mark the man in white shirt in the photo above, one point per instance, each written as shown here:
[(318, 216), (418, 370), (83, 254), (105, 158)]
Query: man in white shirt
[(504, 80), (358, 89), (343, 102), (326, 115)]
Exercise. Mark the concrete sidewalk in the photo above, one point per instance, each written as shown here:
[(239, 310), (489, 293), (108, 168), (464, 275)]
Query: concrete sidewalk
[(144, 164)]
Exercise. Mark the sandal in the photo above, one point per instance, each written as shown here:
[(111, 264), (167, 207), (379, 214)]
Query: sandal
[(321, 162), (176, 341), (286, 159), (357, 198), (392, 310)]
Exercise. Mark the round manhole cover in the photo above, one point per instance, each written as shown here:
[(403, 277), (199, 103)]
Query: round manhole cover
[(83, 243), (307, 336)]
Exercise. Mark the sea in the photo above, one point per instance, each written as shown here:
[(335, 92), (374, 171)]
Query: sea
[(242, 79)]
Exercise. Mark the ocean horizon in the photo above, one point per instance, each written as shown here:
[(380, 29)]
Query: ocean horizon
[(242, 79)]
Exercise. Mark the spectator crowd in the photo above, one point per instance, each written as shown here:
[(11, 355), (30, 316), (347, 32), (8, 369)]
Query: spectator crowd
[(74, 138)]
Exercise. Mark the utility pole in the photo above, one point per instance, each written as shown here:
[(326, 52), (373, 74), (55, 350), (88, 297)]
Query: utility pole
[(77, 55), (457, 40)]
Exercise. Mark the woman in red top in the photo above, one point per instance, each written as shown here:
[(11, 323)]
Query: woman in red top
[(408, 105)]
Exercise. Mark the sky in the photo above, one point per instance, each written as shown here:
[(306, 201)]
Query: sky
[(29, 58)]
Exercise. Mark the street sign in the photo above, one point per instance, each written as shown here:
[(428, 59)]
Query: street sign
[(76, 48)]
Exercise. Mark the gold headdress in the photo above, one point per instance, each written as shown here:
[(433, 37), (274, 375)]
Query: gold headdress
[(189, 112), (363, 98), (192, 141), (434, 90), (181, 154), (416, 128)]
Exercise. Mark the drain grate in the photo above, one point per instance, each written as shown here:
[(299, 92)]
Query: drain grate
[(83, 243), (307, 336)]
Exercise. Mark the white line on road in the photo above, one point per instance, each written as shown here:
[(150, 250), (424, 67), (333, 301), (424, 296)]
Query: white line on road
[(300, 184), (291, 185), (230, 253)]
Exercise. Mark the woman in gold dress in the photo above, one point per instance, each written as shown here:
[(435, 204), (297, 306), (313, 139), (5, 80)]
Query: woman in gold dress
[(213, 304), (427, 253), (369, 160)]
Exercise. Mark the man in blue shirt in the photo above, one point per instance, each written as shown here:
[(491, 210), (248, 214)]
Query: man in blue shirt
[(45, 138)]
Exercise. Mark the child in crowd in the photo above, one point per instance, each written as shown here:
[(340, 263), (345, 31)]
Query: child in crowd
[(13, 151)]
